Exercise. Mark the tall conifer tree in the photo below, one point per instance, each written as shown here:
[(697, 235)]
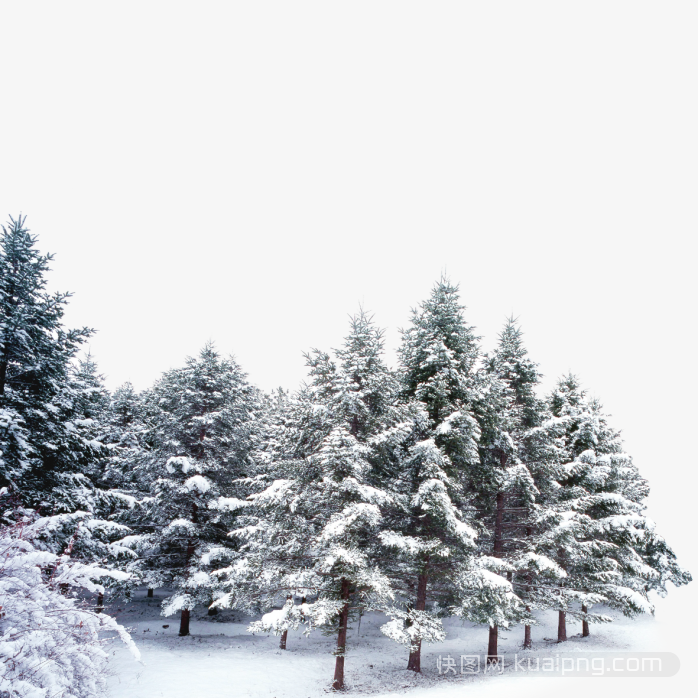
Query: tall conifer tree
[(43, 450), (313, 530), (607, 545), (515, 459), (437, 361), (201, 448)]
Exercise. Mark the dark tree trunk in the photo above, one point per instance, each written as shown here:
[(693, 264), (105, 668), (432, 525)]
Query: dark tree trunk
[(284, 635), (415, 661), (561, 621), (492, 657), (528, 643), (150, 593), (3, 376), (184, 623), (213, 611), (561, 627), (184, 620), (338, 683), (527, 637), (100, 602), (498, 552), (498, 542), (585, 623)]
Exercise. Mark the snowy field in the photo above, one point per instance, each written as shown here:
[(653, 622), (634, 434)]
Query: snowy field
[(221, 658)]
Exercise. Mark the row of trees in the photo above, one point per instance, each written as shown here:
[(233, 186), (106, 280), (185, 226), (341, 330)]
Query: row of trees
[(448, 486)]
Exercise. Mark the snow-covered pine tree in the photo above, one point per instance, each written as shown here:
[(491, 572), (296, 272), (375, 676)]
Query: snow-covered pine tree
[(425, 533), (502, 492), (607, 545), (271, 561), (271, 545), (129, 437), (586, 560), (90, 524), (201, 446), (312, 530), (518, 467), (129, 425), (43, 451), (433, 449)]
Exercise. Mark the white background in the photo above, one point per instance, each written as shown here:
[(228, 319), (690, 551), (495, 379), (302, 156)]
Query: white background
[(252, 172)]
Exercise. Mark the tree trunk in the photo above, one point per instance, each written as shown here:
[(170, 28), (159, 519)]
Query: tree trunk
[(528, 643), (3, 376), (527, 637), (150, 593), (184, 623), (100, 603), (561, 627), (561, 621), (498, 542), (492, 657), (415, 661), (585, 623), (284, 635), (184, 620), (338, 683), (498, 552)]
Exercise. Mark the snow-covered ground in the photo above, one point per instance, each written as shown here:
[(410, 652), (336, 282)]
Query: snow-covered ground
[(222, 659)]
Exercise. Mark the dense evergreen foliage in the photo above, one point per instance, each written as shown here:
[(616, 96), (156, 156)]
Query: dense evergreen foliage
[(448, 486)]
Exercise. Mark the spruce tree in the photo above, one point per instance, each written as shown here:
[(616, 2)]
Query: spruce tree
[(129, 435), (517, 469), (201, 446), (425, 533), (312, 531), (608, 547), (439, 447), (44, 451)]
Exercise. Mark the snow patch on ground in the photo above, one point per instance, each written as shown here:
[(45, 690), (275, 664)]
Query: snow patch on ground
[(221, 659)]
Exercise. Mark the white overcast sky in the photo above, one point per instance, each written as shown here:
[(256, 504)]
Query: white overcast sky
[(253, 172)]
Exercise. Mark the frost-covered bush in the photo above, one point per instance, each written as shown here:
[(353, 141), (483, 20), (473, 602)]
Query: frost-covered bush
[(49, 640)]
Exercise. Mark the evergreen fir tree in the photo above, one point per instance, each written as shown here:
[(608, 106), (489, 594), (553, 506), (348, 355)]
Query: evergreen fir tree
[(44, 452), (439, 447), (502, 489), (312, 530), (605, 542), (129, 436), (201, 447), (516, 470)]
